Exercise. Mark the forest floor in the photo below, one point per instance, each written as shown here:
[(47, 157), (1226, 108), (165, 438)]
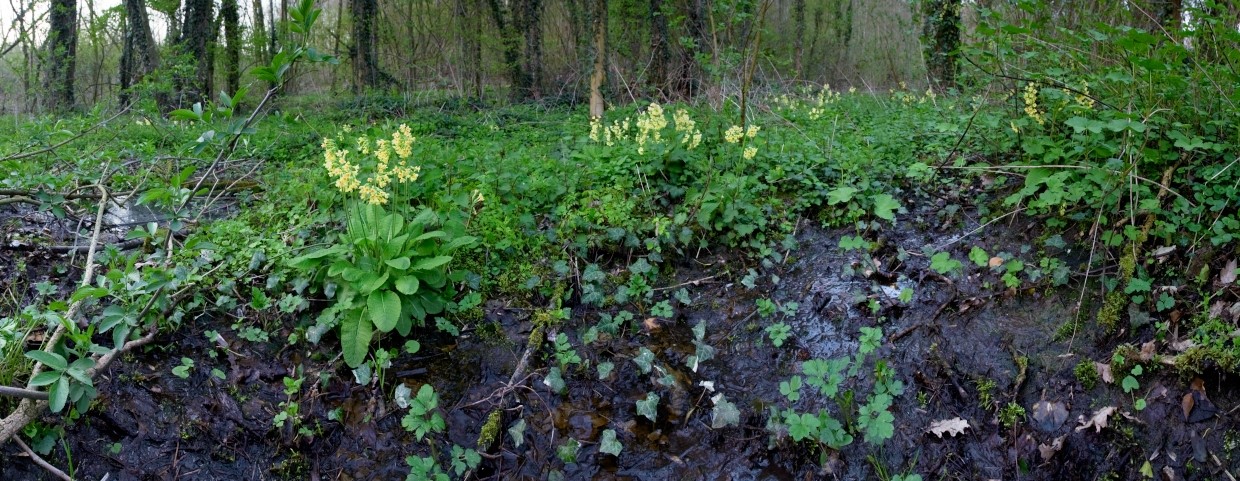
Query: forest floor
[(779, 367)]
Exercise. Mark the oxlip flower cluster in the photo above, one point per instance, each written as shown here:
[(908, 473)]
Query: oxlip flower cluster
[(374, 189), (1031, 103)]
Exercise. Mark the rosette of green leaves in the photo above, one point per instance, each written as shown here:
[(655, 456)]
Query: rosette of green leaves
[(389, 272)]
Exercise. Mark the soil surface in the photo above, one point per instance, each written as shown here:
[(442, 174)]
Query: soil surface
[(962, 347)]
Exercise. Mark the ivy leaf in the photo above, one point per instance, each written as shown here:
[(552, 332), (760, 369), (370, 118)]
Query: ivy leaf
[(554, 380), (724, 414), (649, 407), (604, 369), (608, 444), (517, 432), (644, 359)]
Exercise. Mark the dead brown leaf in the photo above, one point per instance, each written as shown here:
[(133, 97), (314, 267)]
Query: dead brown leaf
[(1104, 372), (1047, 451), (995, 261), (1097, 421), (1228, 274), (1147, 351), (951, 427)]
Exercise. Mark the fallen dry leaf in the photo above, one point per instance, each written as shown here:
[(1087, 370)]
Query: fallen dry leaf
[(1147, 351), (995, 261), (651, 324), (1228, 274), (1049, 415), (1047, 451), (1097, 421), (951, 427), (1104, 372), (1183, 345)]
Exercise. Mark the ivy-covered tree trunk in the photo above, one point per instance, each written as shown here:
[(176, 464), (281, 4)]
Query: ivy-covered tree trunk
[(61, 54), (688, 81), (362, 52), (510, 39), (531, 13), (259, 33), (942, 31), (660, 53), (232, 51), (139, 56), (195, 35)]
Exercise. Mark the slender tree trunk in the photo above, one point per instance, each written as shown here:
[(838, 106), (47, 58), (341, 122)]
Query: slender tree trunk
[(232, 39), (942, 31), (260, 33), (689, 81), (195, 36), (61, 54), (798, 39), (600, 59), (477, 53), (660, 53)]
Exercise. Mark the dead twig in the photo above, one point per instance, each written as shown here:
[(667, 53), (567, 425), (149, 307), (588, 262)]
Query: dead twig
[(40, 462)]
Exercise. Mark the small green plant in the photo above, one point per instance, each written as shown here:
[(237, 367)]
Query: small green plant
[(182, 371), (779, 332), (1086, 374), (943, 263), (564, 352), (289, 408), (766, 307), (423, 417), (986, 392), (424, 469), (1011, 414)]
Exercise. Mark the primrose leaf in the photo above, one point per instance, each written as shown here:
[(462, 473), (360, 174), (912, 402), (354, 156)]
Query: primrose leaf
[(384, 309), (355, 334)]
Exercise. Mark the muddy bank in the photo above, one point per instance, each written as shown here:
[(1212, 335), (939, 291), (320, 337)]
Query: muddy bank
[(960, 345)]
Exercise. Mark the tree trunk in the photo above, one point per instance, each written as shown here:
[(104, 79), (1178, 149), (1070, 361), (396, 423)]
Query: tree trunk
[(365, 69), (139, 56), (532, 23), (232, 52), (798, 39), (942, 31), (260, 34), (510, 38), (61, 54), (688, 83), (660, 54), (600, 59), (195, 36)]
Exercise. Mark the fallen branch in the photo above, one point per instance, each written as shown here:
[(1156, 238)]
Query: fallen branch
[(22, 155), (39, 461)]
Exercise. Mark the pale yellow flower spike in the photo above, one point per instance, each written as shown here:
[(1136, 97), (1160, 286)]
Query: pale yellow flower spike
[(733, 134)]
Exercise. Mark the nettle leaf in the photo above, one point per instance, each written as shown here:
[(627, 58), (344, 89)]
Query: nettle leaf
[(649, 407), (384, 307), (608, 444)]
